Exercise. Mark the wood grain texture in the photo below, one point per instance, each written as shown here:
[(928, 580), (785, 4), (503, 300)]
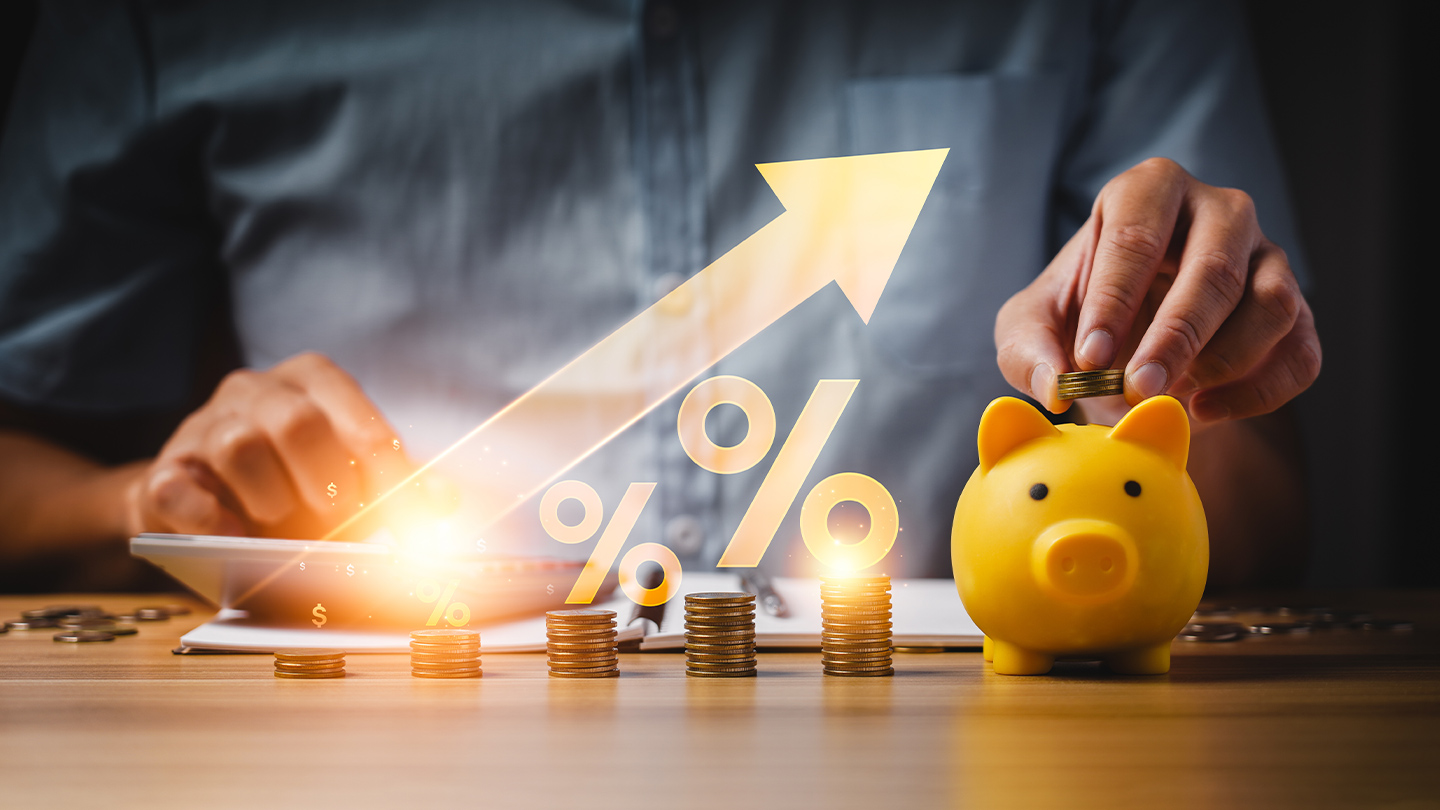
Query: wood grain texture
[(1341, 719)]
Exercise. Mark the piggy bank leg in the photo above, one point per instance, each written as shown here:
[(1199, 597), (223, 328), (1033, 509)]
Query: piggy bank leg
[(1011, 660), (1144, 661), (988, 651)]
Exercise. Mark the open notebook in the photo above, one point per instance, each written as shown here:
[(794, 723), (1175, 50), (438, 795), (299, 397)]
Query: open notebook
[(926, 613)]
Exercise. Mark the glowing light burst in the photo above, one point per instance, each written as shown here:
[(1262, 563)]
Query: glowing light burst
[(846, 221)]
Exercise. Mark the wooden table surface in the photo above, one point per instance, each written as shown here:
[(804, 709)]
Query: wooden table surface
[(1338, 719)]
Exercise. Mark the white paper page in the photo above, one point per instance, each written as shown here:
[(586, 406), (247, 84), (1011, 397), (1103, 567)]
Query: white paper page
[(224, 632), (924, 612)]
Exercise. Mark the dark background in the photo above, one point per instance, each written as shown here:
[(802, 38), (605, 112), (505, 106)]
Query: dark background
[(1348, 85)]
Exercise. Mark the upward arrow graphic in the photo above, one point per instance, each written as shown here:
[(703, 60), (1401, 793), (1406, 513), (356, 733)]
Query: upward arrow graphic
[(846, 220)]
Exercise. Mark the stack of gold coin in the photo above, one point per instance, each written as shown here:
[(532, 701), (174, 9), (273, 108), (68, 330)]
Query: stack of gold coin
[(855, 626), (581, 643), (720, 635), (445, 653), (309, 664), (1099, 383)]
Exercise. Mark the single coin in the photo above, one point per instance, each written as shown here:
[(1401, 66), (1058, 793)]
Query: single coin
[(444, 634), (717, 598), (874, 674), (309, 670), (910, 650), (83, 636), (580, 615), (554, 647), (459, 645), (308, 654), (882, 634), (1213, 631), (52, 612), (720, 658), (749, 673), (304, 676), (438, 658), (471, 674), (727, 616), (471, 666), (830, 653), (1279, 628), (609, 673), (86, 623), (581, 666), (32, 624), (114, 629), (1388, 625), (695, 669), (331, 662), (600, 630), (734, 627)]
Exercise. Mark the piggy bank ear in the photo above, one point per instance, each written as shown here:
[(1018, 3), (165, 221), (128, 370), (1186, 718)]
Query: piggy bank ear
[(1008, 423), (1158, 423)]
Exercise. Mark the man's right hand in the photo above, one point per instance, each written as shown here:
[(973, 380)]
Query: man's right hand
[(259, 458)]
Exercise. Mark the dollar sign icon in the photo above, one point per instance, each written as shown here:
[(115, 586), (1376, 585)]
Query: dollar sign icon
[(395, 444), (319, 614), (302, 566), (550, 589), (480, 544), (350, 570), (331, 489)]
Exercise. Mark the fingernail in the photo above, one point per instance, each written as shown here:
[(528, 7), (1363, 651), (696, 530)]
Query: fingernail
[(1098, 349), (1040, 382), (1149, 380)]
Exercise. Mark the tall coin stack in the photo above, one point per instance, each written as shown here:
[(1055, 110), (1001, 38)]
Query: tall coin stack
[(1102, 382), (444, 653), (855, 626), (309, 664), (581, 643), (720, 635)]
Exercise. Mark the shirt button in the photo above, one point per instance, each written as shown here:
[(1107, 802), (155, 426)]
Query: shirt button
[(677, 304), (684, 536), (664, 21)]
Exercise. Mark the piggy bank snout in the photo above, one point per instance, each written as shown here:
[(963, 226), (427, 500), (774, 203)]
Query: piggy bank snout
[(1087, 561)]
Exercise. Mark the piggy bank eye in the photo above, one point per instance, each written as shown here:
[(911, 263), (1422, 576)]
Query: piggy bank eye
[(1039, 491), (1132, 488)]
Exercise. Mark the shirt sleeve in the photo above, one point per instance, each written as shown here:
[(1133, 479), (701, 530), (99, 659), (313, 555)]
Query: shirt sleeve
[(1176, 79), (107, 255)]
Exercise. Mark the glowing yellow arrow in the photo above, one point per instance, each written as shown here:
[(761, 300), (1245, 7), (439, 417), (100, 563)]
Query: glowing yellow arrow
[(846, 220)]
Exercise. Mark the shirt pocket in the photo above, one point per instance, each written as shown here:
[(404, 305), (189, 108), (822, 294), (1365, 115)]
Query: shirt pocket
[(983, 233)]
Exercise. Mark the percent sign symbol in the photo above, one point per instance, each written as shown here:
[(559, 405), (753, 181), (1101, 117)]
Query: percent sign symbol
[(792, 465), (456, 613), (622, 521)]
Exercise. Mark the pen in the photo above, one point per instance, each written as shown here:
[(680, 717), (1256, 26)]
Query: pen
[(655, 613), (759, 582)]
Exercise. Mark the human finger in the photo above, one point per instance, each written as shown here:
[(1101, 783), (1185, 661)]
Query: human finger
[(1213, 270), (1137, 212), (315, 460), (1033, 329), (244, 458), (1289, 368), (1265, 315), (173, 499)]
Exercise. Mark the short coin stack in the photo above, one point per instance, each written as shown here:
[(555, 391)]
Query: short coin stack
[(720, 635), (445, 653), (307, 664), (855, 626), (1099, 383), (581, 643)]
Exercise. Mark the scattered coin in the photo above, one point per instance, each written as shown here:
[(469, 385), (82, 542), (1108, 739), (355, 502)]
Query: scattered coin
[(32, 624), (855, 626), (1388, 625), (151, 614), (1214, 631), (720, 635), (83, 636), (445, 653), (309, 663), (1280, 628), (1098, 383), (581, 643)]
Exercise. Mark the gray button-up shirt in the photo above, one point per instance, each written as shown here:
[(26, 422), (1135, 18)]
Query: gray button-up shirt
[(453, 199)]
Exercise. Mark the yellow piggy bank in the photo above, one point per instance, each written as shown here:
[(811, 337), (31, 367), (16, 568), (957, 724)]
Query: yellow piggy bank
[(1081, 540)]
